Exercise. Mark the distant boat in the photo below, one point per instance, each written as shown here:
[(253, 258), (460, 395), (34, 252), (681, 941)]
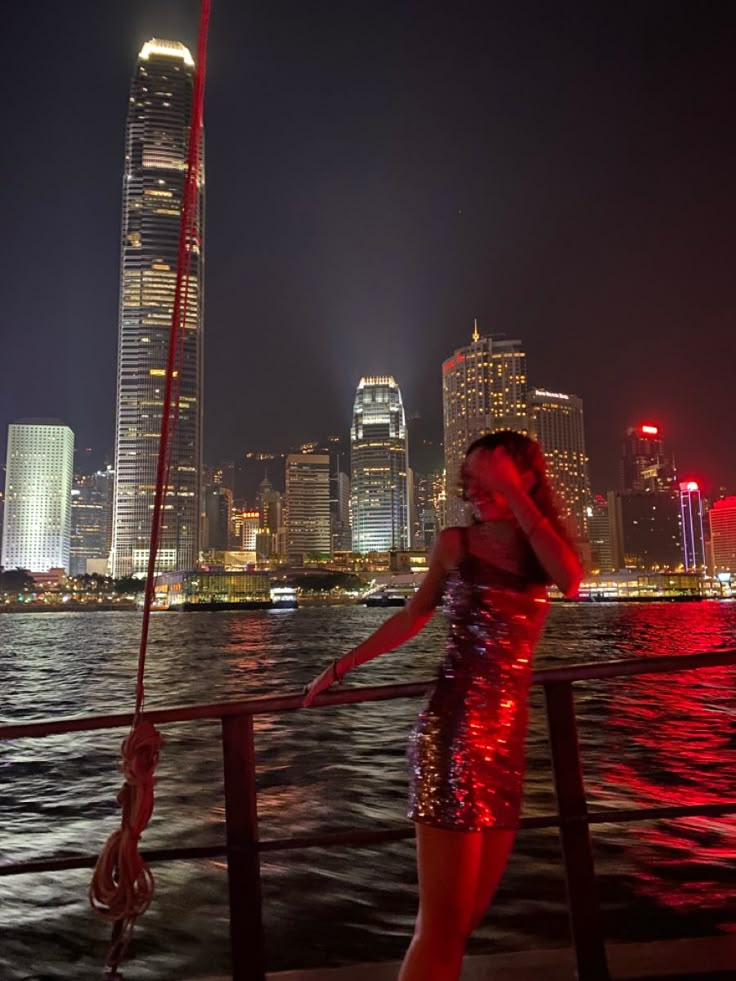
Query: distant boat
[(386, 597), (283, 598)]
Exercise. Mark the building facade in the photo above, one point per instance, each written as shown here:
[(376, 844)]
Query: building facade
[(157, 137), (342, 536), (379, 463), (270, 541), (484, 389), (38, 496), (307, 506), (599, 535), (91, 520), (645, 530), (218, 512), (556, 422), (427, 488), (722, 518)]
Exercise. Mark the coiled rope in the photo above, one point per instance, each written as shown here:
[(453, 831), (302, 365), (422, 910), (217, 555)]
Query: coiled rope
[(122, 885)]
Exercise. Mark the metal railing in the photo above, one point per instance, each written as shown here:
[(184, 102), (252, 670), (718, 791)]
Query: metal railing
[(243, 848)]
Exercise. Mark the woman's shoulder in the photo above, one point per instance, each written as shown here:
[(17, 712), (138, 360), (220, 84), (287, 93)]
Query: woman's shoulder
[(451, 546)]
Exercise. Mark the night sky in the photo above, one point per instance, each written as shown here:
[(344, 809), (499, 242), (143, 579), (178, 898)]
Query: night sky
[(378, 174)]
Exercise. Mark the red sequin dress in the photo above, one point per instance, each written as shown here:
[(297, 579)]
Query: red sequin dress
[(466, 752)]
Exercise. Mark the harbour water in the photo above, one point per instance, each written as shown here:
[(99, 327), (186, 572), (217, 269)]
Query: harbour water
[(646, 741)]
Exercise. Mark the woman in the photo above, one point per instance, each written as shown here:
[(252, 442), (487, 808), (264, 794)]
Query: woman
[(467, 749)]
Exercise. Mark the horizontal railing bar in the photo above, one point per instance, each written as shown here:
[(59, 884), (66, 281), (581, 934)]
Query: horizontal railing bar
[(359, 838), (632, 815), (271, 704), (89, 861), (259, 705), (626, 667)]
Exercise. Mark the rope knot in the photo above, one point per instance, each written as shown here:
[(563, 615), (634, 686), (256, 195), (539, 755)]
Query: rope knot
[(122, 885)]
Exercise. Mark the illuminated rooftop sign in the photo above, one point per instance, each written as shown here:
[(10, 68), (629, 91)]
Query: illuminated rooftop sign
[(543, 393)]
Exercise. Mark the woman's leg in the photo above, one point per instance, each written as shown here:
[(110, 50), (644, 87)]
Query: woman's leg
[(448, 863), (494, 856)]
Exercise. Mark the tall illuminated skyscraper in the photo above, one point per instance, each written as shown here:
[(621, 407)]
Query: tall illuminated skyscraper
[(691, 518), (556, 422), (484, 389), (379, 465), (156, 152), (38, 496)]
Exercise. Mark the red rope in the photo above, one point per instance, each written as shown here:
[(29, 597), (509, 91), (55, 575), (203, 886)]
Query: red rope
[(186, 240), (122, 884)]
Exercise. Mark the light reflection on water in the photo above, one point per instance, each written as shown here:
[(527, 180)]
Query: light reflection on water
[(646, 741)]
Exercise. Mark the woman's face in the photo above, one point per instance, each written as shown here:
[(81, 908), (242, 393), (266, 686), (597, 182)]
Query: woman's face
[(487, 505)]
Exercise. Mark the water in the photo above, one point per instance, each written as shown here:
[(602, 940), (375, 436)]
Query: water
[(647, 741)]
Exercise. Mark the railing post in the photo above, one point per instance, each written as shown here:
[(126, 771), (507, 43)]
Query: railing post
[(577, 851), (243, 861)]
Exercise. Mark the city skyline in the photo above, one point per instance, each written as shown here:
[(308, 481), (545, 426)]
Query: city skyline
[(537, 243)]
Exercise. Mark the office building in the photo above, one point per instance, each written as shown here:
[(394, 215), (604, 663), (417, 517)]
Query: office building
[(722, 519), (484, 389), (218, 511), (645, 530), (91, 521), (38, 496), (599, 535), (307, 507), (556, 422), (342, 537)]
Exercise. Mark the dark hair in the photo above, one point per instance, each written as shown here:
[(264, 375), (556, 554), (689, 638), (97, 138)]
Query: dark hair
[(527, 455)]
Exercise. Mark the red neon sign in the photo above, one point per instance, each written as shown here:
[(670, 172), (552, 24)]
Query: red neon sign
[(650, 430), (453, 361)]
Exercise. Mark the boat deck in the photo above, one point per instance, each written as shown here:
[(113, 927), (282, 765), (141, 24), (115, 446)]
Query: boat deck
[(700, 959)]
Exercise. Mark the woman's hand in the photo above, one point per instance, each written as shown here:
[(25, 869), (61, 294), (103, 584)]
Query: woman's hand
[(321, 683), (498, 473)]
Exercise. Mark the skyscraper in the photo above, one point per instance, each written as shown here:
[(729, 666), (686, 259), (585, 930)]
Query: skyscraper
[(90, 520), (645, 463), (156, 152), (218, 512), (307, 506), (342, 539), (691, 518), (599, 535), (270, 538), (379, 463), (556, 421), (38, 496), (484, 389)]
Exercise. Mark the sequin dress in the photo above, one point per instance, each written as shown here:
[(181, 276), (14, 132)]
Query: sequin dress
[(466, 753)]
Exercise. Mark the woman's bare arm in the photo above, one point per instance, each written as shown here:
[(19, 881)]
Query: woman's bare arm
[(403, 625), (558, 559)]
